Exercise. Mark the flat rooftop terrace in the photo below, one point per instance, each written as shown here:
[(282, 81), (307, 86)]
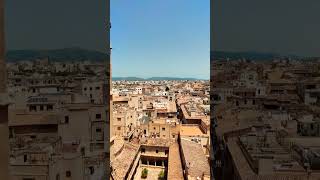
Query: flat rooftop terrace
[(192, 130)]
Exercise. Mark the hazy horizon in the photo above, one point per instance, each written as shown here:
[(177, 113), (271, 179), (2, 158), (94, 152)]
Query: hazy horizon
[(149, 77)]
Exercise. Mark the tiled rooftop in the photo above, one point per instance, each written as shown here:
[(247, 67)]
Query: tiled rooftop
[(175, 170), (196, 162), (121, 164)]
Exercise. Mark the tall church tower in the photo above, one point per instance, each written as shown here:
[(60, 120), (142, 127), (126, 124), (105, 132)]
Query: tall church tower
[(4, 130)]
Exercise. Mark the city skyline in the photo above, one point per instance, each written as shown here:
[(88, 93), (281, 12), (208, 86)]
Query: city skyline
[(159, 78), (141, 33)]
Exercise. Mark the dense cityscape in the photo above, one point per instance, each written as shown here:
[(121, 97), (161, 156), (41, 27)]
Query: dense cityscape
[(57, 119), (248, 113), (265, 119), (160, 130)]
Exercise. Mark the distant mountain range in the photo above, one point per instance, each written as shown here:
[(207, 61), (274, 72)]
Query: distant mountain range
[(66, 54), (79, 54), (222, 55), (152, 79)]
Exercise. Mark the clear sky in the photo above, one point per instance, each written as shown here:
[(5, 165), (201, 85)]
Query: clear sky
[(276, 26), (160, 38), (51, 24)]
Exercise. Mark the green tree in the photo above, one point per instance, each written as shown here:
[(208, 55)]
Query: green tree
[(161, 175), (144, 173)]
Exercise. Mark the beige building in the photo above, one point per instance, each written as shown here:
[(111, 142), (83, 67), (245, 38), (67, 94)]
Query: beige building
[(124, 121), (159, 128), (58, 143), (94, 91)]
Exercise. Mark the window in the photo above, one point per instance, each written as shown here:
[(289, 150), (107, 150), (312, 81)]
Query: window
[(311, 126), (97, 88), (90, 88), (154, 128), (85, 88), (66, 119), (143, 150), (157, 151), (25, 158), (119, 119), (119, 128), (49, 107), (91, 168), (32, 108), (166, 152), (68, 173), (98, 130), (98, 116), (163, 129), (253, 102), (10, 133), (58, 177), (41, 107)]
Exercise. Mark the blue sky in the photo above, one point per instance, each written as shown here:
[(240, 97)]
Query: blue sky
[(46, 24), (160, 38)]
